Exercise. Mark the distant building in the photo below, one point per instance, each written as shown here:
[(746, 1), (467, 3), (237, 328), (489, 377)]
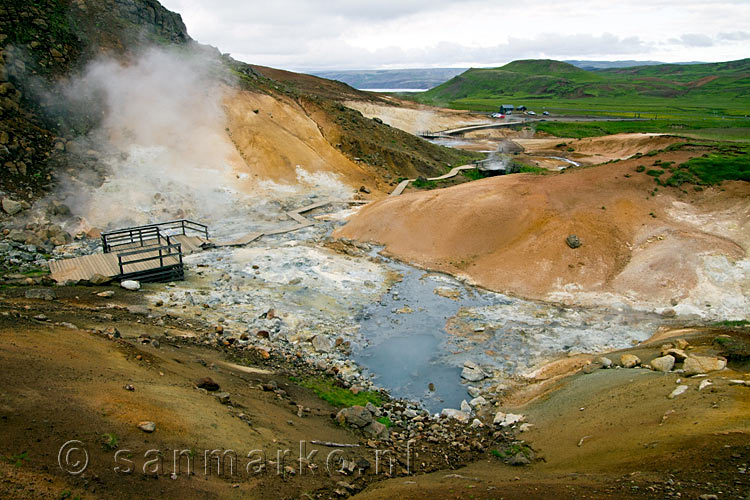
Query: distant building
[(507, 109), (521, 108)]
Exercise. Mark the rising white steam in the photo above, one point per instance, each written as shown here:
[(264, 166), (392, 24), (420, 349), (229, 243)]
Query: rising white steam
[(161, 145)]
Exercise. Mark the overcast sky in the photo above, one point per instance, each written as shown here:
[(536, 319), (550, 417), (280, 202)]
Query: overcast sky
[(308, 35)]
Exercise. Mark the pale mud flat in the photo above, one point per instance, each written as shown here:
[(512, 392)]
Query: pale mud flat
[(415, 118)]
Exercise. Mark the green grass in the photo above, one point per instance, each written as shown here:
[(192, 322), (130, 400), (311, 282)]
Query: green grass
[(473, 175), (512, 450), (110, 441), (19, 459), (326, 390), (424, 184), (731, 323), (385, 421), (531, 169)]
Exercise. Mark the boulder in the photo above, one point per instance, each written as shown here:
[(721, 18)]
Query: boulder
[(223, 397), (677, 354), (680, 344), (507, 419), (207, 383), (695, 365), (573, 241), (355, 416), (147, 426), (604, 361), (130, 285), (459, 415), (11, 207), (663, 363), (472, 372), (630, 360), (99, 279), (321, 344), (477, 402), (680, 389), (376, 430)]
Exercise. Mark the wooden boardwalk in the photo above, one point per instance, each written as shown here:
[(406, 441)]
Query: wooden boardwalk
[(107, 264), (454, 172)]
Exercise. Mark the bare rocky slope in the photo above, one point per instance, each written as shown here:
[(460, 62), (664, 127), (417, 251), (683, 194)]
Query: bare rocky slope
[(666, 250), (43, 44)]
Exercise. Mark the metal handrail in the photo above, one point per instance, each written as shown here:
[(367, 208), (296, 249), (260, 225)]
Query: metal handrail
[(118, 237), (161, 255)]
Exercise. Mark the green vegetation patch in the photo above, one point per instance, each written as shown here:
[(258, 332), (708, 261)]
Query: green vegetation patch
[(385, 421), (734, 348), (531, 169), (513, 450), (718, 167), (327, 390)]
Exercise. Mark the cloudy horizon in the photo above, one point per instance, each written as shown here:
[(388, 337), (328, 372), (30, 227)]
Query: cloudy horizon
[(299, 35)]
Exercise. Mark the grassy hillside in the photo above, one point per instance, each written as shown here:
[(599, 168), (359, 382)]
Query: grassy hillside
[(669, 90)]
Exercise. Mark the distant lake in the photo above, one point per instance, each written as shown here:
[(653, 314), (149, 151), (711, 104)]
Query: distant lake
[(395, 90)]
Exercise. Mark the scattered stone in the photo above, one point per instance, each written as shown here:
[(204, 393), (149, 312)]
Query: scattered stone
[(519, 459), (465, 407), (525, 427), (321, 344), (355, 416), (680, 389), (476, 423), (41, 294), (662, 364), (704, 384), (740, 382), (695, 365), (99, 279), (680, 344), (677, 354), (223, 397), (130, 285), (669, 313), (472, 372), (478, 402), (375, 410), (270, 386), (107, 294), (573, 241), (147, 426), (630, 360), (708, 496), (591, 368), (363, 189), (11, 207), (207, 383), (129, 387), (459, 415), (605, 362), (376, 430), (507, 419)]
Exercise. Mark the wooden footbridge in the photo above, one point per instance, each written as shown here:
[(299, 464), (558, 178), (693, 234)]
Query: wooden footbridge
[(154, 252)]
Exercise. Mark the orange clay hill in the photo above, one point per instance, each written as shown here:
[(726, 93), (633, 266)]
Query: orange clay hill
[(639, 246)]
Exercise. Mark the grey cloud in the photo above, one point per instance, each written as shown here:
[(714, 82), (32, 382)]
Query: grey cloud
[(734, 36), (694, 40), (548, 45)]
